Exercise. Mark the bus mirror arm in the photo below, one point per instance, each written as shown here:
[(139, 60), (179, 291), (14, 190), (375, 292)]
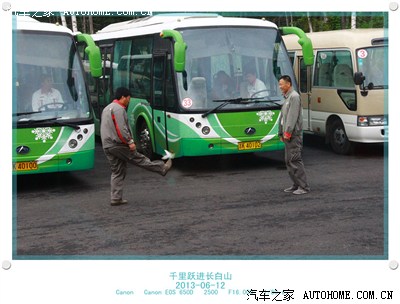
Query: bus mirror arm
[(304, 41), (179, 48), (93, 52)]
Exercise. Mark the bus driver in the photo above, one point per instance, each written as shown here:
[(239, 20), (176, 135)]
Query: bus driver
[(46, 95), (255, 87)]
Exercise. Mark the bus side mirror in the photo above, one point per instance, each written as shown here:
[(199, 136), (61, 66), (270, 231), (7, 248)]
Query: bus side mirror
[(359, 78)]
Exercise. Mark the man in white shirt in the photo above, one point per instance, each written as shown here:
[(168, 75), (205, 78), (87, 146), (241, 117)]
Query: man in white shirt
[(46, 95), (255, 85)]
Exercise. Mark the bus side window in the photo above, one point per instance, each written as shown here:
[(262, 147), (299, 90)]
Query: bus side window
[(140, 67), (158, 81), (323, 69), (121, 63), (324, 75)]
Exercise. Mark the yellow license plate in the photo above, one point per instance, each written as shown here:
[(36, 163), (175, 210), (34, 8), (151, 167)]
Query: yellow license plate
[(26, 166), (249, 145)]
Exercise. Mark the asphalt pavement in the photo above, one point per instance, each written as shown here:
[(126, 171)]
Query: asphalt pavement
[(210, 207)]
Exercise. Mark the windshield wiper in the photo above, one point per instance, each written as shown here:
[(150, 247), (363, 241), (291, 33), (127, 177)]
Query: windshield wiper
[(61, 123), (26, 113), (239, 100), (54, 119), (225, 102), (274, 102), (38, 120)]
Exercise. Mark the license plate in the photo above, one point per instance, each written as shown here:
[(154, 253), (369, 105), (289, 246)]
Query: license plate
[(26, 166), (249, 145)]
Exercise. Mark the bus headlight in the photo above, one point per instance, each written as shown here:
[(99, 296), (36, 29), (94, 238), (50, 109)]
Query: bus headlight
[(365, 121), (206, 130), (73, 143), (377, 121)]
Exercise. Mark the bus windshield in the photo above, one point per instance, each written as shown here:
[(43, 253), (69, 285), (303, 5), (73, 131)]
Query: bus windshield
[(371, 62), (238, 64), (48, 79)]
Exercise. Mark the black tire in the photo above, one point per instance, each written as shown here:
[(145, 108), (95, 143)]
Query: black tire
[(338, 138), (145, 145)]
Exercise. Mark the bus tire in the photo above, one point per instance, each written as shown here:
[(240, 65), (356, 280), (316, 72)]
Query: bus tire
[(338, 138), (145, 145)]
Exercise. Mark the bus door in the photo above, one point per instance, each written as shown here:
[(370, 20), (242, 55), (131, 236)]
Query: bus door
[(333, 92), (160, 125)]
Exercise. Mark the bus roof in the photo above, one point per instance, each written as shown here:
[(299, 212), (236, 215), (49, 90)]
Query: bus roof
[(348, 38), (158, 23), (31, 24)]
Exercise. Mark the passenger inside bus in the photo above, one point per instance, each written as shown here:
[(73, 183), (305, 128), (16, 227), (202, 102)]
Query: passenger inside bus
[(223, 86)]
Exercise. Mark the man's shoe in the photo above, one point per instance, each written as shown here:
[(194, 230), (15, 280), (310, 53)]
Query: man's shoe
[(300, 191), (291, 189), (167, 166), (118, 202)]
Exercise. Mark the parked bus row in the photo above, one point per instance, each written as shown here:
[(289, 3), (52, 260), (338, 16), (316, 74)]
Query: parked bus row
[(201, 85)]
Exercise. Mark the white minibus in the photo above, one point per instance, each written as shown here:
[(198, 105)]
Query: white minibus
[(346, 99)]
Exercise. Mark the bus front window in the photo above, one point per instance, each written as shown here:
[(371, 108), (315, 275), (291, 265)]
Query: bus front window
[(371, 62), (224, 63), (48, 80)]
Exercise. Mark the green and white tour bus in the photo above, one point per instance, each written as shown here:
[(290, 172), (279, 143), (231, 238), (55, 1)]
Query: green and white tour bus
[(53, 131), (187, 76)]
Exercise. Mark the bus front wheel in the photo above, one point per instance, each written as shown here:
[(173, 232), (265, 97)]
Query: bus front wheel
[(145, 146), (338, 138)]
